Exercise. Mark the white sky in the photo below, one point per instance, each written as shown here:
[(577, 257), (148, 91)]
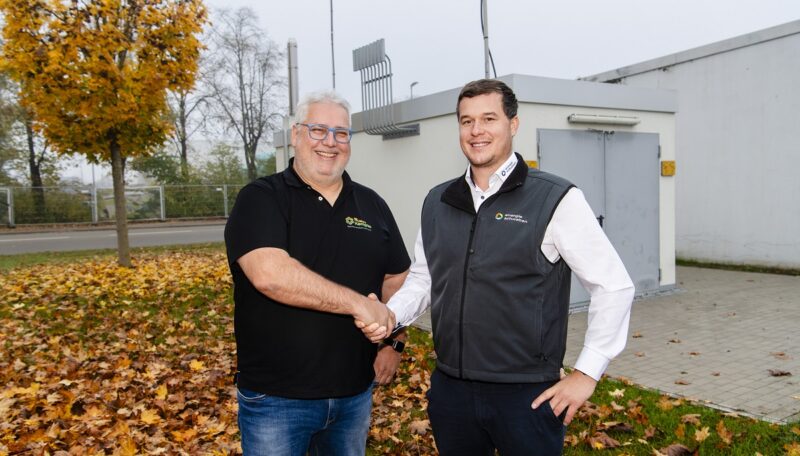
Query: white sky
[(439, 42)]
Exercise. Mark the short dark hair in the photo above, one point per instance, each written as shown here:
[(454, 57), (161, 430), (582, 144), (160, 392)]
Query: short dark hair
[(487, 86)]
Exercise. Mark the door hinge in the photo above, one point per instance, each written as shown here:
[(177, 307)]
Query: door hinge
[(659, 276), (659, 151)]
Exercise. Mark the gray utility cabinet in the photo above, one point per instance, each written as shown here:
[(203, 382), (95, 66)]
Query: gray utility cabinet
[(619, 174)]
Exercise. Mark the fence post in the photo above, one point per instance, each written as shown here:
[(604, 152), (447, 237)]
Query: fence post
[(95, 216), (163, 205), (225, 199), (10, 201)]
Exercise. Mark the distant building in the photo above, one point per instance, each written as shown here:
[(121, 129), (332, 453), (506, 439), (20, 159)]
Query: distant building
[(738, 145)]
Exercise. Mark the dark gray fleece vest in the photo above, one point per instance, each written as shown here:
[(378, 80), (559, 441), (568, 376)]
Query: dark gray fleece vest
[(499, 307)]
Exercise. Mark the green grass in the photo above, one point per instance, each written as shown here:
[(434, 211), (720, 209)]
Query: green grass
[(738, 267), (8, 262)]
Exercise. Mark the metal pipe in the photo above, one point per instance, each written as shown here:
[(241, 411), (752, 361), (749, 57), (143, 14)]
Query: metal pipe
[(225, 200), (294, 87), (333, 63), (485, 23), (10, 201), (163, 205)]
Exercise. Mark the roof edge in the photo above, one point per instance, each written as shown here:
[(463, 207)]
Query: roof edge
[(719, 47)]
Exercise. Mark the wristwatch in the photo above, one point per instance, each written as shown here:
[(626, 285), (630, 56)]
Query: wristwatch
[(397, 345)]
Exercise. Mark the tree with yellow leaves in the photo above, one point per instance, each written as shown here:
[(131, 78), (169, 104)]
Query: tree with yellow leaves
[(95, 75)]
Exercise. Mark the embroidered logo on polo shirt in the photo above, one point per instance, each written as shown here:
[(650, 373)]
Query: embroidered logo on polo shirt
[(510, 218), (357, 223)]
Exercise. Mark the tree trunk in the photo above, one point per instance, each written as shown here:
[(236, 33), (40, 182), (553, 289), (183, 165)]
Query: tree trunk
[(182, 137), (36, 174), (184, 160), (250, 160), (120, 210)]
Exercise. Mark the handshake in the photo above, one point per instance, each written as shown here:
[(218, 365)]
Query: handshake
[(373, 318)]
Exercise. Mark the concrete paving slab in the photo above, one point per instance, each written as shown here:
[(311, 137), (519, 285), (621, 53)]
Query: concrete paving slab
[(728, 330)]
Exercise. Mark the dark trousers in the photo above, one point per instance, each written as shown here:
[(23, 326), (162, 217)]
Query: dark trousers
[(472, 418)]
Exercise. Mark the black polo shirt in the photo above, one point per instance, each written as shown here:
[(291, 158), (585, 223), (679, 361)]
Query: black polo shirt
[(292, 352)]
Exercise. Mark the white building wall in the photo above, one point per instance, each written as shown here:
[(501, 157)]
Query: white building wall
[(738, 145)]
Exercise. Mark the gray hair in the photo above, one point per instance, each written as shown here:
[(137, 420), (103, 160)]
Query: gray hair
[(322, 96)]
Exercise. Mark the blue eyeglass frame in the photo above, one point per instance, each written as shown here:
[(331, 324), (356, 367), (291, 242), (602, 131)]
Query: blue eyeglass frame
[(330, 130)]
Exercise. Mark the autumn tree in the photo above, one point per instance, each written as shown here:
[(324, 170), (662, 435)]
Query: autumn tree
[(245, 80), (188, 112), (23, 151), (8, 115), (95, 75)]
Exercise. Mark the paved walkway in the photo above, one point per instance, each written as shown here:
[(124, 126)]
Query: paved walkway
[(715, 340)]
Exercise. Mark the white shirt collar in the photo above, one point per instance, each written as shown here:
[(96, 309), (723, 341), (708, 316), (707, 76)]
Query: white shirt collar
[(495, 180)]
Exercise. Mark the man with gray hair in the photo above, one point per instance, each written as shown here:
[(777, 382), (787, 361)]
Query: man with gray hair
[(310, 252)]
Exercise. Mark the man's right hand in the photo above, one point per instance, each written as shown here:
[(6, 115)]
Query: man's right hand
[(374, 318)]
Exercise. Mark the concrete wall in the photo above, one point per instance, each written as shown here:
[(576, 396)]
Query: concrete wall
[(738, 145)]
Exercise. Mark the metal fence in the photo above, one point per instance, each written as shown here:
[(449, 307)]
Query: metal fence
[(38, 205)]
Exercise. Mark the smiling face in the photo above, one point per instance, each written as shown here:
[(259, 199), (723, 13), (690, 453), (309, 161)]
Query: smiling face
[(321, 163), (485, 131)]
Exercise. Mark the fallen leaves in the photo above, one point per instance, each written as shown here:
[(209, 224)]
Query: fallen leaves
[(779, 373), (102, 360), (691, 418), (617, 393), (781, 356), (701, 434), (724, 434), (601, 440), (420, 427), (149, 417), (86, 366)]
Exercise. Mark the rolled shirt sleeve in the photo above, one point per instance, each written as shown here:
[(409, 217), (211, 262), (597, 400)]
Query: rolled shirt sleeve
[(574, 235), (414, 297)]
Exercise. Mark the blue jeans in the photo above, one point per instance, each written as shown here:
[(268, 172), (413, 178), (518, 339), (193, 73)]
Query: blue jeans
[(278, 426), (471, 418)]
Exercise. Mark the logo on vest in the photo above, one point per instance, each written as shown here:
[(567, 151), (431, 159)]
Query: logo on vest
[(357, 223), (501, 217)]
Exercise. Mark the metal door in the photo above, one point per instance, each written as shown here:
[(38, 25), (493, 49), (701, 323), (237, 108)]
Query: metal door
[(618, 174), (632, 173)]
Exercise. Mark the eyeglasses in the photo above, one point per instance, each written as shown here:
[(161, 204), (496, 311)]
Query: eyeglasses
[(319, 132)]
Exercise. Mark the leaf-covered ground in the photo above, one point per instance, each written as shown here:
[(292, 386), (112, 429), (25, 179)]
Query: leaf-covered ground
[(98, 359)]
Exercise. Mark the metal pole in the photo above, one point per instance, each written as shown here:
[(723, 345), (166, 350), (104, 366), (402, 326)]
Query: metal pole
[(293, 85), (10, 201), (333, 64), (485, 21), (163, 206), (225, 199), (94, 199), (285, 142), (412, 88)]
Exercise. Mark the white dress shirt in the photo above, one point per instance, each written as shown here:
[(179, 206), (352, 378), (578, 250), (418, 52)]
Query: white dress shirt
[(572, 234)]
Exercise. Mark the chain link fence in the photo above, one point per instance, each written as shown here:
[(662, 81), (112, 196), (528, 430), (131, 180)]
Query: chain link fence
[(53, 205)]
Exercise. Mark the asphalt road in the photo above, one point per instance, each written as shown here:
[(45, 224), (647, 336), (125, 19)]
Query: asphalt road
[(63, 241)]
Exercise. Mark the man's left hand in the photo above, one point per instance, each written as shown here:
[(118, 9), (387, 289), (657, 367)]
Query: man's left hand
[(386, 364), (568, 394)]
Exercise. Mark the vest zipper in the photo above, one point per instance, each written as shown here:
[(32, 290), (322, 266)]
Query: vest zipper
[(470, 251)]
